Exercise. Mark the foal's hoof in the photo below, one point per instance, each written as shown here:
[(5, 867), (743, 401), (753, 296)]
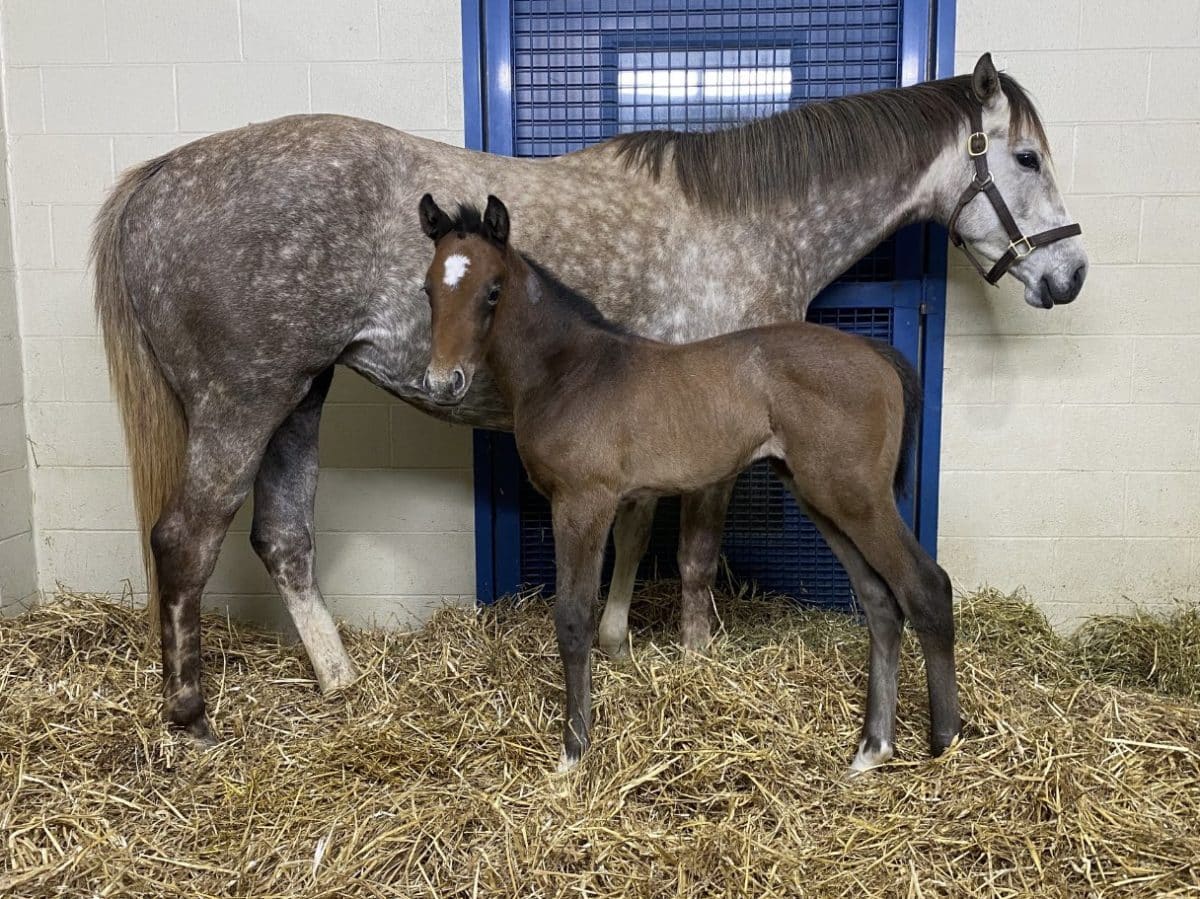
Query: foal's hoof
[(871, 754), (199, 733), (567, 763)]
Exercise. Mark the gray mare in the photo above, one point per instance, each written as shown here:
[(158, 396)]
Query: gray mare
[(233, 273)]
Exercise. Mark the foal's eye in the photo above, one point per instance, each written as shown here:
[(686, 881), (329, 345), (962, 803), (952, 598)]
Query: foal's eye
[(1029, 160), (493, 296)]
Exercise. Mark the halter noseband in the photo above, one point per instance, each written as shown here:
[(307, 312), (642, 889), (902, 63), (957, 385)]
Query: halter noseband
[(1019, 246)]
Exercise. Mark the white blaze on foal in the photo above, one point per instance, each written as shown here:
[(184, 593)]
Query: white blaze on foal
[(456, 266)]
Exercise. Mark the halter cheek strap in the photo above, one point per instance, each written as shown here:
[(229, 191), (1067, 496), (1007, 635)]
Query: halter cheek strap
[(1019, 246)]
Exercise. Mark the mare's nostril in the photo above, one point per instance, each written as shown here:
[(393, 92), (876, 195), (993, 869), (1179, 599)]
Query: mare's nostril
[(425, 381), (1077, 278), (460, 381)]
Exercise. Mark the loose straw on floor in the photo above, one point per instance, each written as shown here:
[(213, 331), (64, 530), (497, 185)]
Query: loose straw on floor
[(709, 777)]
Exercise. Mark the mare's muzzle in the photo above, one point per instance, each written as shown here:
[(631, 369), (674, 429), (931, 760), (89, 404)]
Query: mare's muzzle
[(446, 388)]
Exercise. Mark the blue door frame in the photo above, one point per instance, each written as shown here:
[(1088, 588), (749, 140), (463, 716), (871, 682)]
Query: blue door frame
[(918, 295)]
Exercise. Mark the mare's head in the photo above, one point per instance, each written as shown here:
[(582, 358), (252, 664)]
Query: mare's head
[(1018, 162), (470, 264)]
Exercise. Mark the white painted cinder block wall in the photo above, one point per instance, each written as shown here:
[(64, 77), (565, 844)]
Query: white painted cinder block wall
[(94, 86), (18, 568), (1072, 439)]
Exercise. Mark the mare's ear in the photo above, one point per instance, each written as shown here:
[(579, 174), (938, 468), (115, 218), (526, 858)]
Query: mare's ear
[(434, 222), (985, 81), (495, 220)]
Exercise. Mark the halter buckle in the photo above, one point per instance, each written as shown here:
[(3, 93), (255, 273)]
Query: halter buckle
[(974, 147), (1021, 248)]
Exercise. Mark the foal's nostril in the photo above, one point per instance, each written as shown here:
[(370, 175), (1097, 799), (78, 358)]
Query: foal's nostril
[(460, 381), (425, 381)]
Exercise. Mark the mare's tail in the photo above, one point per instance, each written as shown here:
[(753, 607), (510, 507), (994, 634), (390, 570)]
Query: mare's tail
[(155, 428)]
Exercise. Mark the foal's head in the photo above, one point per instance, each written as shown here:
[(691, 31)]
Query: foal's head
[(470, 264)]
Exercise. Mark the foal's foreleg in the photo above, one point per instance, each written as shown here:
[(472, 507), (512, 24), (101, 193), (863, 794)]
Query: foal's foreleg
[(701, 525), (885, 622), (581, 525), (631, 536), (284, 494)]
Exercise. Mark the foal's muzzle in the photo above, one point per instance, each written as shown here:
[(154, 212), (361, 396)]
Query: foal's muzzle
[(446, 387)]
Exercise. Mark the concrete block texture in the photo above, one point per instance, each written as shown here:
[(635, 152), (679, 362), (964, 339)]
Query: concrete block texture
[(1071, 442)]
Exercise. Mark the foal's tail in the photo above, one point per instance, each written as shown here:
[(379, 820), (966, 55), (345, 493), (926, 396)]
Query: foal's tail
[(910, 381), (155, 428)]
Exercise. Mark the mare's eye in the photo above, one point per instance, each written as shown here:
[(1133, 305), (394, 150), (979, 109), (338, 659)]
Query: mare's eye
[(1029, 160), (493, 296)]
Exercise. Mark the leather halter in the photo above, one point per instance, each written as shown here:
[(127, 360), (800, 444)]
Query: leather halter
[(1019, 246)]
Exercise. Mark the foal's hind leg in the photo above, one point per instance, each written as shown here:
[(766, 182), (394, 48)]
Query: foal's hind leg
[(701, 526), (224, 447), (923, 591), (284, 493), (631, 536)]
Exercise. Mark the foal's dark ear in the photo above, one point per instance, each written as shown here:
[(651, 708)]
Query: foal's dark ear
[(434, 222), (985, 81), (495, 220)]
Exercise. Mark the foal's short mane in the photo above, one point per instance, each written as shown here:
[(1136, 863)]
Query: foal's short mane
[(572, 300), (752, 166), (467, 219)]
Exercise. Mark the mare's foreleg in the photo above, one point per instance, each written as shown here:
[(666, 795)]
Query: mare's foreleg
[(701, 525), (581, 524), (631, 536), (283, 534)]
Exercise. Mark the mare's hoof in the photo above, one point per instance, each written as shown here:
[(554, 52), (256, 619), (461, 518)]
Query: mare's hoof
[(698, 647), (337, 678), (617, 652)]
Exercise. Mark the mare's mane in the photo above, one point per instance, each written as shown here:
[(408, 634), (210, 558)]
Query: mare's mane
[(751, 166)]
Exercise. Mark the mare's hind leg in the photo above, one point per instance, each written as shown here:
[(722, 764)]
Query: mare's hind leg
[(284, 493), (631, 536), (224, 447), (885, 622), (701, 526), (581, 524)]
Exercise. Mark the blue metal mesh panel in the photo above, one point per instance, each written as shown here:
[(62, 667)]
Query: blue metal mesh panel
[(767, 540), (585, 70)]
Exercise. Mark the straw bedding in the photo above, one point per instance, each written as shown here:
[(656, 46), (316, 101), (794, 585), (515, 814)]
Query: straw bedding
[(717, 777)]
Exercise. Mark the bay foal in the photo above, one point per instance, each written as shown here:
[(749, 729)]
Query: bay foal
[(602, 416)]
